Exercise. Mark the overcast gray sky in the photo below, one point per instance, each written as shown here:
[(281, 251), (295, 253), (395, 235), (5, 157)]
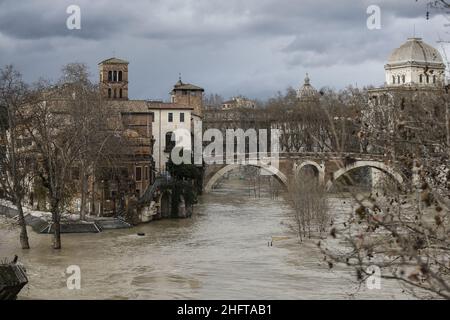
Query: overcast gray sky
[(230, 47)]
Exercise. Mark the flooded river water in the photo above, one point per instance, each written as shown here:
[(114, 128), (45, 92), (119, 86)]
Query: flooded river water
[(219, 253)]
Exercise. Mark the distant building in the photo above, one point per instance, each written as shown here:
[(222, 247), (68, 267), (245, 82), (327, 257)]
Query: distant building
[(415, 63), (414, 66), (412, 70), (238, 102), (307, 93)]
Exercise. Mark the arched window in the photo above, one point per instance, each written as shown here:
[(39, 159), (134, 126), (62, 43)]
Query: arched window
[(393, 79), (428, 79), (115, 76), (115, 93), (109, 92), (403, 78), (109, 75), (434, 79), (398, 78), (120, 75), (421, 78), (120, 93)]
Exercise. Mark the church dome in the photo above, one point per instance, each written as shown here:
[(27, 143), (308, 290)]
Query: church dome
[(415, 51), (307, 92)]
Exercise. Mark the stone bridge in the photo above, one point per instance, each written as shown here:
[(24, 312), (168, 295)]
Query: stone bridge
[(328, 167)]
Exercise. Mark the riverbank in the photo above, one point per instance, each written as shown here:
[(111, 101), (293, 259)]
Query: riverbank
[(41, 221)]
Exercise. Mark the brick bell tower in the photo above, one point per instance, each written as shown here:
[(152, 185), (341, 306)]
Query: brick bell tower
[(189, 95), (114, 79)]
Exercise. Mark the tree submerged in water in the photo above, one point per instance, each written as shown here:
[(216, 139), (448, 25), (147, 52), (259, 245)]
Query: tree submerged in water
[(185, 184)]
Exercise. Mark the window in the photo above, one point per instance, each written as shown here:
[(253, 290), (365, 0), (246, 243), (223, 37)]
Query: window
[(398, 78), (146, 173), (120, 93), (428, 79), (138, 174), (393, 79), (115, 93), (170, 119), (434, 79), (169, 143), (115, 76), (181, 116), (421, 78), (110, 76), (120, 75), (403, 78), (109, 92)]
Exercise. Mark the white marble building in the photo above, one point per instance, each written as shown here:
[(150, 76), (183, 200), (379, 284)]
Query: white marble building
[(415, 63)]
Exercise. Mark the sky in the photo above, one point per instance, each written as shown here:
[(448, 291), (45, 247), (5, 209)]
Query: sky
[(254, 48)]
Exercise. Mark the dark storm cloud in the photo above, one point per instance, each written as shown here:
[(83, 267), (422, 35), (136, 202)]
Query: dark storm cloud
[(31, 19), (250, 47)]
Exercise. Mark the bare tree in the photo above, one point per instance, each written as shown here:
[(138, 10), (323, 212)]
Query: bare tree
[(308, 198), (15, 167), (55, 139), (96, 131), (404, 232)]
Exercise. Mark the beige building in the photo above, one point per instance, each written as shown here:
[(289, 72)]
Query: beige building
[(238, 102)]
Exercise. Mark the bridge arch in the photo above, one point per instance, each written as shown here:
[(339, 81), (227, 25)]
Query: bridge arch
[(365, 164), (220, 173), (320, 169)]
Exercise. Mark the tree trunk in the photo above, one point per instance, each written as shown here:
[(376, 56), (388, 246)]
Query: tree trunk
[(57, 228), (23, 227), (84, 191)]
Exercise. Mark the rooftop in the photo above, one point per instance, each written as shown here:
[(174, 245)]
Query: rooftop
[(114, 61), (414, 50), (186, 86), (146, 106)]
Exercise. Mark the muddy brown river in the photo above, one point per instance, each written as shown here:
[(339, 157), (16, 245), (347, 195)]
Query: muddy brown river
[(219, 253)]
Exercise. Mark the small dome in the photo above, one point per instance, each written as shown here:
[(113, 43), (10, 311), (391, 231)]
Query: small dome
[(307, 92), (414, 50)]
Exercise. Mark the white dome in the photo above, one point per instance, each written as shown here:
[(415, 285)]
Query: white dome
[(415, 51)]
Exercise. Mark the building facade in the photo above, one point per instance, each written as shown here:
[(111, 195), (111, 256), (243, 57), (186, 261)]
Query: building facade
[(185, 108)]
